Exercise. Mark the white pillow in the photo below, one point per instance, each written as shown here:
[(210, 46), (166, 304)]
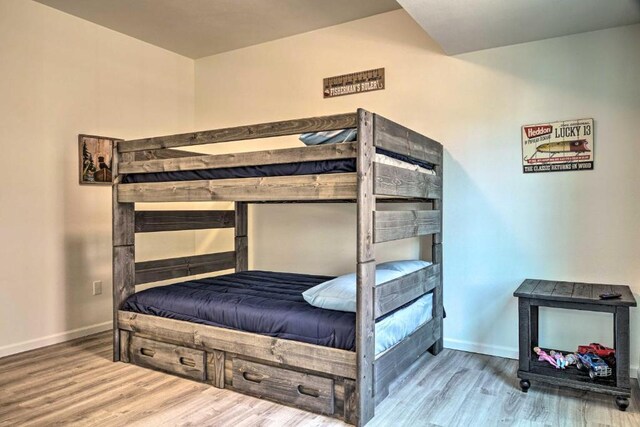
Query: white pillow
[(405, 267), (340, 293)]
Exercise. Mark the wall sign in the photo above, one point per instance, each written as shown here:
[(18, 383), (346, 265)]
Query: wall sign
[(348, 84), (558, 146)]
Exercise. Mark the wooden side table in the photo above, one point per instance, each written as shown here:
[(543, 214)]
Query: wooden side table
[(533, 294)]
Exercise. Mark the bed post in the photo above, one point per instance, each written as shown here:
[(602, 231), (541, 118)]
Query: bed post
[(123, 236), (365, 333), (436, 257), (241, 241)]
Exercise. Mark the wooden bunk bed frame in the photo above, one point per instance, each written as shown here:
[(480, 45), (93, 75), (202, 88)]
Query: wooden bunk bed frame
[(339, 383)]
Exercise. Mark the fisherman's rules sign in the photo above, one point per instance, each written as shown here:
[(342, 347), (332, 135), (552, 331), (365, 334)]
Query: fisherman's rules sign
[(347, 84), (559, 146)]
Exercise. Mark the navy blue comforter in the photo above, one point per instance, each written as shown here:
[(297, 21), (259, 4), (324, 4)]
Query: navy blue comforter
[(263, 302), (286, 169)]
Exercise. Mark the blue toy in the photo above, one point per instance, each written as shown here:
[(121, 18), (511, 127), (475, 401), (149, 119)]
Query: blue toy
[(596, 366)]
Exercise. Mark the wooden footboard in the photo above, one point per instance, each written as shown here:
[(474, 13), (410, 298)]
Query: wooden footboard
[(316, 378), (295, 354)]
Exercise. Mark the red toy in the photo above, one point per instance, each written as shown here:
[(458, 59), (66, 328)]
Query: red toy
[(596, 348)]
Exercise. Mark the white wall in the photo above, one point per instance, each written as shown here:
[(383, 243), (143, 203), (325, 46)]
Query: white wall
[(61, 76), (501, 226)]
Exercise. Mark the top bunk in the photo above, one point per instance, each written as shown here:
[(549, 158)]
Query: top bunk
[(405, 165)]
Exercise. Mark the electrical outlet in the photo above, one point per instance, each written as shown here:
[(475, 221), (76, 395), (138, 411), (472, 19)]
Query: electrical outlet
[(97, 287)]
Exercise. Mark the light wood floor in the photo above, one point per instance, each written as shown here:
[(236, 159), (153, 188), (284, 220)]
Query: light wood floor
[(75, 383)]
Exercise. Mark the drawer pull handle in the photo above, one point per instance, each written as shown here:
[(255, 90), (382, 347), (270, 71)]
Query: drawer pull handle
[(147, 352), (254, 378), (308, 391), (188, 362)]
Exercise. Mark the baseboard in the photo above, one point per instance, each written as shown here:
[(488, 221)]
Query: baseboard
[(476, 347), (501, 351), (20, 347), (454, 344)]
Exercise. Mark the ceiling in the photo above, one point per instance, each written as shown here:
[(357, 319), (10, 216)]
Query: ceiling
[(461, 26), (197, 28)]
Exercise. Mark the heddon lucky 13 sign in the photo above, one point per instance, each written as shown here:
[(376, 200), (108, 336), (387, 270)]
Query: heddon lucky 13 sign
[(558, 146)]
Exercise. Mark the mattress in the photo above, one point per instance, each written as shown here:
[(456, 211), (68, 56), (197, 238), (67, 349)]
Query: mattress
[(271, 303), (286, 169)]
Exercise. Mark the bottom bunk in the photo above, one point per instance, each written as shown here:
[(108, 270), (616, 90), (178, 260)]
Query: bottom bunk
[(253, 332)]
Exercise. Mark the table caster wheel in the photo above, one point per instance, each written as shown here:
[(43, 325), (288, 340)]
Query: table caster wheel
[(622, 403), (525, 384)]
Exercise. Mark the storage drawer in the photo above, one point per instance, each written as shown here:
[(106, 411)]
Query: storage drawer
[(168, 357), (282, 385)]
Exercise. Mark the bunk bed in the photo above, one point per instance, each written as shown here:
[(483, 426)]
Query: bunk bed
[(345, 381)]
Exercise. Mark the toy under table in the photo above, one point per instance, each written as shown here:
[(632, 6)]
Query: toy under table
[(577, 296)]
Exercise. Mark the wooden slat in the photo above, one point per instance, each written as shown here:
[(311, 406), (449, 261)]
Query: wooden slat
[(582, 290), (274, 350), (242, 219), (242, 253), (436, 251), (146, 155), (600, 288), (399, 139), (365, 197), (255, 158), (215, 368), (153, 271), (622, 345), (393, 294), (123, 240), (394, 225), (125, 341), (365, 340), (394, 181), (305, 391), (366, 270), (437, 258), (152, 221), (534, 313), (524, 333), (545, 287), (263, 130), (562, 302), (627, 295), (123, 213), (337, 186), (241, 242), (393, 362), (563, 289), (526, 287), (350, 411), (565, 381)]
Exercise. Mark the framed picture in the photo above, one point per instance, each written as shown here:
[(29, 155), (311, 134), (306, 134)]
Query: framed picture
[(95, 154)]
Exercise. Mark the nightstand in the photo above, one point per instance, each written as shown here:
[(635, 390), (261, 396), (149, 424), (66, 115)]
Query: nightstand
[(533, 294)]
